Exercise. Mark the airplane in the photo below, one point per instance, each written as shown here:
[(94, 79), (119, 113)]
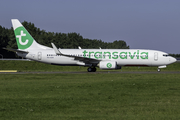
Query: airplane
[(91, 58)]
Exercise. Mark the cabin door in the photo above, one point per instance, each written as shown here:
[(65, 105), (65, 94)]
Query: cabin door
[(155, 56)]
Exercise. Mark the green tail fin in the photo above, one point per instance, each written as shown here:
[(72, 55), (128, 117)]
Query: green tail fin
[(23, 38)]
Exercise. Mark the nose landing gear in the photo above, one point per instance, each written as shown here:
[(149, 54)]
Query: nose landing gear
[(159, 70), (164, 66)]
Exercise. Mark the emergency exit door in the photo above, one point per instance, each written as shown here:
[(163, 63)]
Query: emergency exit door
[(39, 55)]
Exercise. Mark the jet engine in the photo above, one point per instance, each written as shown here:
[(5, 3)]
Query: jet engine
[(109, 65)]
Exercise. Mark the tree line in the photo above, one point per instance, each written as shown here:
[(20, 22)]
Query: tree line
[(175, 55), (62, 40)]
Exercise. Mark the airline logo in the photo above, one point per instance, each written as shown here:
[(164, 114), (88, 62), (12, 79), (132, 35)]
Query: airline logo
[(116, 55), (109, 65), (23, 38)]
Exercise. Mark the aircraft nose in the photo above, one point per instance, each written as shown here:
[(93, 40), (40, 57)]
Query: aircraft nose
[(173, 59)]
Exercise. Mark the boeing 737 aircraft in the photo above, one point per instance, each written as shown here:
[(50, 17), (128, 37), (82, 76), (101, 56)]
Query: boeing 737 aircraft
[(91, 58)]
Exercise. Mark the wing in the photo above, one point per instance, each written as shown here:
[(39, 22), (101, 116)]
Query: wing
[(78, 58)]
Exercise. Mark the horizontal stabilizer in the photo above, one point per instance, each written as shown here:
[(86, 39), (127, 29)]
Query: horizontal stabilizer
[(16, 50)]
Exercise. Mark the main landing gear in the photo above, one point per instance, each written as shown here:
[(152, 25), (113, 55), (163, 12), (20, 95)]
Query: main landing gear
[(91, 69)]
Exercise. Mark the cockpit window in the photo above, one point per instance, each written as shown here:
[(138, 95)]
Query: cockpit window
[(166, 55)]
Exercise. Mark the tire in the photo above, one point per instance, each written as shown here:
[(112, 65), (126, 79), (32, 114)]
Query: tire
[(94, 69), (89, 69)]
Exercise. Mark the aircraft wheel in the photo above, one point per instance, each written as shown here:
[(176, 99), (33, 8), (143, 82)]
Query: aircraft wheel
[(89, 69), (94, 69), (158, 70)]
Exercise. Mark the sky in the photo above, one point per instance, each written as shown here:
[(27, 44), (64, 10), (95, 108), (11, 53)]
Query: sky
[(142, 24)]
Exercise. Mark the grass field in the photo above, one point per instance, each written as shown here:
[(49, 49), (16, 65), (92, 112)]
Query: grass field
[(90, 96)]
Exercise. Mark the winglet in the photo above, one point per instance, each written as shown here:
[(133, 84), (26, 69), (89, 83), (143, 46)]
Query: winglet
[(79, 47), (55, 49)]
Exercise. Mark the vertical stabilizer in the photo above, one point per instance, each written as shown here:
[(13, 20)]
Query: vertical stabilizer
[(23, 38)]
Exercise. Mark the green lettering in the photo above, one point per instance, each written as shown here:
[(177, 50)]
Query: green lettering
[(132, 56), (108, 53), (137, 54), (115, 56), (98, 56), (85, 53), (123, 57), (144, 56), (90, 54)]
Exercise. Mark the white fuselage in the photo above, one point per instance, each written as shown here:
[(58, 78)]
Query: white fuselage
[(103, 58), (123, 57)]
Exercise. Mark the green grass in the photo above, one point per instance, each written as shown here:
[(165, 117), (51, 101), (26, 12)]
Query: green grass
[(90, 96), (36, 66)]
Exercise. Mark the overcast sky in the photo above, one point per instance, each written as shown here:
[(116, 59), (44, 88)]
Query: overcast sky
[(143, 24)]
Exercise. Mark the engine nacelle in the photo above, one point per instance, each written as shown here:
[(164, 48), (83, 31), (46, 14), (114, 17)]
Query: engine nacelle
[(109, 65)]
